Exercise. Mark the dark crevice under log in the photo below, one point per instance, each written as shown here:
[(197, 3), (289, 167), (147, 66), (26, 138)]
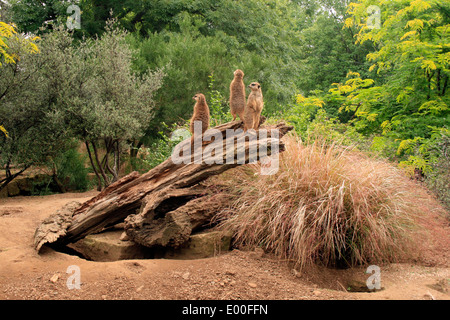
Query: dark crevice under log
[(161, 207)]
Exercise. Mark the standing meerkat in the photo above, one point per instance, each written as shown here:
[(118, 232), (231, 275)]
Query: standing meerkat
[(237, 95), (254, 107), (201, 113)]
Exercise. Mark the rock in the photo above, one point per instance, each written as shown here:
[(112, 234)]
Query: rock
[(429, 296), (296, 273), (257, 253), (185, 276), (124, 237), (13, 189), (252, 285), (112, 246), (201, 245), (4, 193), (25, 185), (140, 288), (107, 246), (360, 286), (54, 278)]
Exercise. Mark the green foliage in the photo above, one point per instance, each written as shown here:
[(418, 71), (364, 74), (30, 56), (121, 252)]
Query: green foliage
[(28, 91), (30, 15), (160, 148), (413, 58), (86, 90), (320, 64), (329, 51), (71, 170), (2, 129), (218, 106)]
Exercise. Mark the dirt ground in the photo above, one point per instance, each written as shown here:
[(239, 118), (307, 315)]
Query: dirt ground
[(237, 274)]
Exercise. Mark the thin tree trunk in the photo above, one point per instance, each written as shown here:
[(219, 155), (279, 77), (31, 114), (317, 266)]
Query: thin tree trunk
[(99, 179), (100, 168), (10, 177), (117, 157), (109, 145)]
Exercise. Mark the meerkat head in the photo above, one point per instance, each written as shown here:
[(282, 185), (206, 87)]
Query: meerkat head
[(239, 73), (199, 97), (255, 86)]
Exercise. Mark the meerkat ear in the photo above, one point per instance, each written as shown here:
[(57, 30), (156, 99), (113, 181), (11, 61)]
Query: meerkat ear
[(259, 86)]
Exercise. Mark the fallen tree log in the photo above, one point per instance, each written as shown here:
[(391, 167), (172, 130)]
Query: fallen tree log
[(165, 205)]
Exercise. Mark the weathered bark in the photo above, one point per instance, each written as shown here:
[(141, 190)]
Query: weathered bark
[(163, 206), (155, 226)]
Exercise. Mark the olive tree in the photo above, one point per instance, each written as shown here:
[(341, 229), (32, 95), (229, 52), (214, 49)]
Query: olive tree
[(29, 89), (83, 90), (108, 104)]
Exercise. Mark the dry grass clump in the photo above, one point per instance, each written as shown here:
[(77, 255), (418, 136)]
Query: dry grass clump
[(326, 203)]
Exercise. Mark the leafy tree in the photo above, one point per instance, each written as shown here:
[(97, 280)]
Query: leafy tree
[(406, 103), (28, 92), (31, 15), (413, 57), (328, 50), (105, 103)]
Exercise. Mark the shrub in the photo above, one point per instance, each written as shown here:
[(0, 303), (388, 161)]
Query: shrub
[(326, 203), (71, 170)]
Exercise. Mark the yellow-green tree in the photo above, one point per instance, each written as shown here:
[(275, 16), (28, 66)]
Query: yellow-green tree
[(8, 32)]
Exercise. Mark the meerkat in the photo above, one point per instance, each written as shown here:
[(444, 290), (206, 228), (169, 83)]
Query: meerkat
[(237, 95), (254, 107), (201, 113)]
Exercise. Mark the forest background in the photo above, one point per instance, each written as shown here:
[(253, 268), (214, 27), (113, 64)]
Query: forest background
[(371, 74)]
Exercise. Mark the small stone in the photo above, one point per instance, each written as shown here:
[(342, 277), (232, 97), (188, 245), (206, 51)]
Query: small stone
[(252, 285), (140, 288), (54, 278), (185, 276), (316, 292), (124, 237), (296, 273), (429, 296)]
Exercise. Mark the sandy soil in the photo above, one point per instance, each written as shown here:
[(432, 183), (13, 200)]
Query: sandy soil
[(238, 274)]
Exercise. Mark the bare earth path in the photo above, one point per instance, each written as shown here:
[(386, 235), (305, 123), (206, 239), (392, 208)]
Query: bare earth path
[(234, 275)]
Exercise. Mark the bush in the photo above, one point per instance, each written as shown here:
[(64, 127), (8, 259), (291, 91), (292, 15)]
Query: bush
[(71, 170), (326, 203)]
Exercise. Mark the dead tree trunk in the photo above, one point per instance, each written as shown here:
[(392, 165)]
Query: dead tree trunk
[(163, 206)]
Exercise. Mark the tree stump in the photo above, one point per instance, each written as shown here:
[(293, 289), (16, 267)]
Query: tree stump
[(165, 205)]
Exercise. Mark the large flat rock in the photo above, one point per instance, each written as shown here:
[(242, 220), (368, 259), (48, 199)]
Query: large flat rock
[(201, 245), (107, 246)]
